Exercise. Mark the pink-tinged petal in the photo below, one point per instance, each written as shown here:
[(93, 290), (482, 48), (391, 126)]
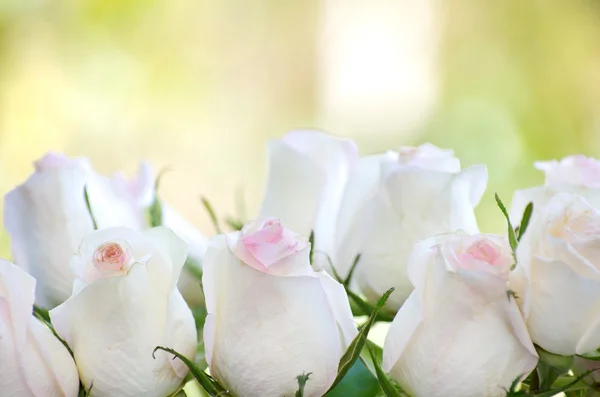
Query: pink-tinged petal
[(572, 170), (264, 330), (429, 157), (139, 189), (433, 352), (57, 161), (268, 247)]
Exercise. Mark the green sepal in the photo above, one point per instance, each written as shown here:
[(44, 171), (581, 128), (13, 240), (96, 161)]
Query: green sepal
[(550, 367), (302, 379)]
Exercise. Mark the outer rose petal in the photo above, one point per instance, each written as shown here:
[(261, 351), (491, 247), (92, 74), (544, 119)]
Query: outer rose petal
[(32, 361), (46, 223), (252, 315), (552, 311), (353, 220), (50, 370), (307, 174)]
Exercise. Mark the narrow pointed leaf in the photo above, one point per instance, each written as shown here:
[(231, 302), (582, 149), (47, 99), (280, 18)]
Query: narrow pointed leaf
[(208, 383), (367, 308), (353, 352), (211, 213), (525, 220), (351, 272), (234, 223), (311, 240), (89, 207), (512, 239), (386, 385), (155, 210)]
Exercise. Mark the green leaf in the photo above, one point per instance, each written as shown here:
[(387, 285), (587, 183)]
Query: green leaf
[(155, 210), (302, 379), (234, 223), (525, 220), (366, 358), (351, 272), (89, 207), (389, 389), (358, 382), (211, 213), (311, 256), (208, 383), (512, 239), (351, 355)]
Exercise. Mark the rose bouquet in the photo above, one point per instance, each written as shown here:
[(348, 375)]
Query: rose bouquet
[(112, 293)]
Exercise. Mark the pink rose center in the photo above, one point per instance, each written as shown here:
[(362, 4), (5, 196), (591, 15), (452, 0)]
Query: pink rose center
[(486, 251), (271, 243), (111, 256)]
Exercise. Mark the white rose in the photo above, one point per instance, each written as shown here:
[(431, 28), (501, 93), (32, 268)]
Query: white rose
[(575, 174), (33, 362), (459, 333), (270, 316), (307, 174), (47, 216), (125, 302), (392, 201), (558, 258)]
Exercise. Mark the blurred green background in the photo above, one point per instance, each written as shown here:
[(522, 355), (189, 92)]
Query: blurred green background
[(201, 85)]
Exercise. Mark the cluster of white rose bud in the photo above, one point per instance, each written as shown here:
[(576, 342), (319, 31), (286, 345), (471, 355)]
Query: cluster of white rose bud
[(473, 314)]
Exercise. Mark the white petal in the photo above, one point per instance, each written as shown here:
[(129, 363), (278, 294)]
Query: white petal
[(293, 189), (46, 218), (48, 367), (172, 247), (353, 218), (405, 324), (563, 308), (308, 171), (17, 291), (340, 309)]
